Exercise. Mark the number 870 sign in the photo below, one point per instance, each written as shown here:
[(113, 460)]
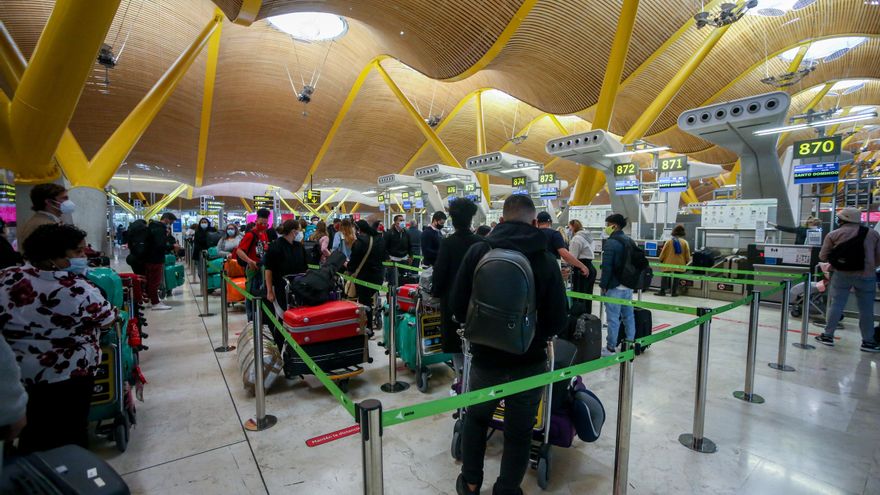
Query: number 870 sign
[(817, 147)]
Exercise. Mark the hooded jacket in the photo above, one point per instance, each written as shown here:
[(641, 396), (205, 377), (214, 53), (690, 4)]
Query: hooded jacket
[(552, 305)]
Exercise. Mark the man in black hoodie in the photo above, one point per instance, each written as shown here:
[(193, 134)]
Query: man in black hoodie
[(491, 366)]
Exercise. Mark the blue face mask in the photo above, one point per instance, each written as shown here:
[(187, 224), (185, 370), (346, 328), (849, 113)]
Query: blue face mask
[(78, 265)]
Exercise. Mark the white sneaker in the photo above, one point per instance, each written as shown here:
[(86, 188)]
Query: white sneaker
[(607, 352), (161, 307)]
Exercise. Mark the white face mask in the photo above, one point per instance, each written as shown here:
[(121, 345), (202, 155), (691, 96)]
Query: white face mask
[(299, 236), (78, 265), (230, 232), (203, 225), (66, 207)]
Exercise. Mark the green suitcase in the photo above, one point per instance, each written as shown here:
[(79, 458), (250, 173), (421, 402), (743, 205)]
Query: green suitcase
[(408, 343)]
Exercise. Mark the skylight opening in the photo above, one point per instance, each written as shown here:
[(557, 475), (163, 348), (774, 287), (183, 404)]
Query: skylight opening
[(826, 48), (776, 8), (310, 26), (847, 86)]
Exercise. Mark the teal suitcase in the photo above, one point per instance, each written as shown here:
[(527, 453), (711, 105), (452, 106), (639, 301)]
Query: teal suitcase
[(409, 343)]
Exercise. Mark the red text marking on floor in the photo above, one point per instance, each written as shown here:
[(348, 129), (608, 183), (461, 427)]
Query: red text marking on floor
[(336, 435), (661, 327), (765, 326)]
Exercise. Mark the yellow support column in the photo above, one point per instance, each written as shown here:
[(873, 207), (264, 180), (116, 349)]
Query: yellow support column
[(355, 207), (247, 206), (482, 178), (590, 180), (248, 12), (208, 98), (115, 150), (162, 203), (33, 121)]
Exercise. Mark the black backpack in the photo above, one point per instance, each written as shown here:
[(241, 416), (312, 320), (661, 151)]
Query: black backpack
[(634, 271), (138, 233), (314, 288), (502, 309), (849, 255)]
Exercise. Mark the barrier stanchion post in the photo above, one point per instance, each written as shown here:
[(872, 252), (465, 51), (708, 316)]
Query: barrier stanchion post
[(393, 385), (624, 424), (262, 421), (224, 316), (696, 441), (780, 365), (748, 393), (370, 419), (204, 284), (805, 314), (192, 261)]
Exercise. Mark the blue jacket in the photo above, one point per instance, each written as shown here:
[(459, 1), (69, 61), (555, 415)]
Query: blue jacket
[(612, 259)]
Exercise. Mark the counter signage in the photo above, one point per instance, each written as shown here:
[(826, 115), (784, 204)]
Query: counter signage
[(381, 199), (404, 195), (417, 194), (450, 190), (547, 178), (672, 164), (469, 188), (516, 182), (673, 184), (407, 204), (816, 173), (624, 169), (549, 193), (624, 187), (826, 146)]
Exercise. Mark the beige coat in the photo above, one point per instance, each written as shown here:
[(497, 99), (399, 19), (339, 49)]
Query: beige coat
[(668, 256), (24, 231)]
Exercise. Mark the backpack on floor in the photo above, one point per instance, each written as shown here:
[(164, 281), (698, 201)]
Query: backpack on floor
[(502, 309)]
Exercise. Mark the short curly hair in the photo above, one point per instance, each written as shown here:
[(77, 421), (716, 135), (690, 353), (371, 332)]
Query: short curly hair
[(462, 211), (52, 241)]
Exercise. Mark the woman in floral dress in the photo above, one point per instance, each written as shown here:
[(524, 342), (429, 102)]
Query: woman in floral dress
[(51, 316)]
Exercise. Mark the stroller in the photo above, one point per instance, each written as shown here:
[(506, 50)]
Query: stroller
[(558, 420), (818, 295)]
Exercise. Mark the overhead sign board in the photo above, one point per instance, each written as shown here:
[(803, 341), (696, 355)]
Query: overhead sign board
[(548, 193), (407, 204), (417, 194), (404, 195), (516, 182), (817, 173), (469, 188), (672, 164), (624, 187), (451, 190), (547, 178), (381, 198), (826, 146), (312, 197), (214, 205), (264, 202), (624, 169), (673, 184)]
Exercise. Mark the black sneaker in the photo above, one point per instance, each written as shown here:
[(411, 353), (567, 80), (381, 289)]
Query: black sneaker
[(867, 347), (824, 339), (462, 489)]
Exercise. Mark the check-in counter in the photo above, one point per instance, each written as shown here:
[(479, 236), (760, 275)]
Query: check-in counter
[(781, 258)]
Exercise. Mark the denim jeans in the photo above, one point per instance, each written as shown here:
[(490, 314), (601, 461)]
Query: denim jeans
[(519, 419), (864, 288), (255, 287), (614, 313)]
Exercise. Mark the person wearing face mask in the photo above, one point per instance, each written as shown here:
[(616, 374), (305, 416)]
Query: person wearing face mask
[(613, 259), (52, 320), (397, 245), (201, 238), (49, 201), (229, 242), (250, 251), (285, 257), (431, 236), (155, 249), (367, 254)]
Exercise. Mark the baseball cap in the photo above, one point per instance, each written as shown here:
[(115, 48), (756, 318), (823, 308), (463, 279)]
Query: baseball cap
[(544, 217)]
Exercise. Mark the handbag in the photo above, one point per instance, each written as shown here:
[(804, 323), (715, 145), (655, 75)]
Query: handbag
[(351, 287)]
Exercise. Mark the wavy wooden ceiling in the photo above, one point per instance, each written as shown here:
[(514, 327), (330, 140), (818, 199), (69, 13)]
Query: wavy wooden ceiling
[(554, 62)]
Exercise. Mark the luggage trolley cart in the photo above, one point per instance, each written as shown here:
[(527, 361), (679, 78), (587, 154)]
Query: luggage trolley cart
[(539, 455), (341, 357), (426, 341), (112, 406)]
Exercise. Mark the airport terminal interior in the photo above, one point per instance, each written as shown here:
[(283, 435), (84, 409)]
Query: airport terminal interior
[(736, 143)]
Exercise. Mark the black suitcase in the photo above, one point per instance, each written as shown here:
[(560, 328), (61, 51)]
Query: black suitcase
[(586, 335), (329, 356), (644, 326), (67, 470)]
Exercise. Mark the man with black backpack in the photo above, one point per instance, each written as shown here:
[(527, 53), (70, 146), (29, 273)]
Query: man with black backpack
[(853, 250), (509, 291), (623, 266)]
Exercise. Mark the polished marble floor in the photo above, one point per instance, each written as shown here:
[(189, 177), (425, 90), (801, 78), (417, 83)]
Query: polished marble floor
[(818, 432)]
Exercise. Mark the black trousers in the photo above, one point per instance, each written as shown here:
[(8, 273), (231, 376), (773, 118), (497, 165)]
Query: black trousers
[(584, 284), (667, 283), (519, 419), (57, 414)]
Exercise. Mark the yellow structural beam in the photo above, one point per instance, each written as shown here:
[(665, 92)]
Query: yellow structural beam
[(124, 204), (33, 120), (329, 198), (248, 12), (338, 205), (139, 195), (246, 205), (115, 150), (355, 207), (286, 204), (208, 98), (500, 42), (590, 179), (423, 126), (165, 201), (482, 178), (300, 199), (799, 58)]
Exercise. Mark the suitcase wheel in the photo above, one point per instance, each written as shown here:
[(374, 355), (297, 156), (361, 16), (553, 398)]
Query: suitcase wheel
[(120, 434), (544, 458), (456, 441), (343, 385), (422, 380)]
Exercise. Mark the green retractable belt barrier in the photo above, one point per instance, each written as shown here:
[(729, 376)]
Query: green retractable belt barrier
[(403, 266), (672, 308), (723, 280), (726, 270)]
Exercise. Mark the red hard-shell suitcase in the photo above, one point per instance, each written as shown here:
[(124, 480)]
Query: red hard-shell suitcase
[(406, 297), (332, 320)]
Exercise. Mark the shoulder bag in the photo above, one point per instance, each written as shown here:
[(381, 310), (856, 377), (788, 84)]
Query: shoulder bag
[(351, 287)]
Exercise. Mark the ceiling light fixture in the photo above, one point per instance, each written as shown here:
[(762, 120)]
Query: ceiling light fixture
[(820, 123), (448, 179), (517, 169), (776, 8), (396, 188), (310, 26), (367, 193), (655, 149)]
